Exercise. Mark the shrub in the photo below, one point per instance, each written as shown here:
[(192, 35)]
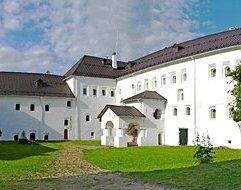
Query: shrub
[(204, 150), (1, 132), (23, 141)]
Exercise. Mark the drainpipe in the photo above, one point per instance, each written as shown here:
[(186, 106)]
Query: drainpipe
[(195, 96)]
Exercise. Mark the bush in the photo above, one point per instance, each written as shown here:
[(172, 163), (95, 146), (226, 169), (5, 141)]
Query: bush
[(204, 150), (23, 141)]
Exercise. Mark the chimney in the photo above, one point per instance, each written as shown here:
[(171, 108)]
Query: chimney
[(114, 60)]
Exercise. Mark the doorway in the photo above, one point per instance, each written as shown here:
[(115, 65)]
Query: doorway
[(65, 134), (132, 134), (32, 136), (183, 136)]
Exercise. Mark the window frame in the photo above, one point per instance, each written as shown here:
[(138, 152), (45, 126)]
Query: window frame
[(32, 107), (17, 107)]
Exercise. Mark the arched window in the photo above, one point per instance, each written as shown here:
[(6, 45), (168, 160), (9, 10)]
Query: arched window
[(174, 112), (157, 114), (180, 95), (213, 72), (187, 111), (184, 77), (212, 112), (226, 71), (174, 79)]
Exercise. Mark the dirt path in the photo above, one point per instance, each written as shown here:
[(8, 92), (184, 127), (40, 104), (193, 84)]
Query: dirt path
[(71, 172)]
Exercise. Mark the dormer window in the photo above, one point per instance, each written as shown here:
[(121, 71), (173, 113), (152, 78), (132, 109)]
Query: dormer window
[(39, 83)]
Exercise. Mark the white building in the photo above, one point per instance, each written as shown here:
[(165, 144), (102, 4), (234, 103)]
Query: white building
[(164, 98)]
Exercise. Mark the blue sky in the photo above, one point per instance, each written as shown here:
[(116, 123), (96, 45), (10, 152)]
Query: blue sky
[(41, 35)]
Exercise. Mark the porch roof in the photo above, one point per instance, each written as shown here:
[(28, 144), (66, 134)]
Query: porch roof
[(122, 111), (145, 95)]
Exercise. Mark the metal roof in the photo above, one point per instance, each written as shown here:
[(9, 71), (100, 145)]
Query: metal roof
[(101, 67), (145, 95), (33, 84), (121, 111)]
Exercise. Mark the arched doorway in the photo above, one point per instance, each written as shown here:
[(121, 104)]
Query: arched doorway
[(32, 136), (132, 132), (110, 132), (65, 134)]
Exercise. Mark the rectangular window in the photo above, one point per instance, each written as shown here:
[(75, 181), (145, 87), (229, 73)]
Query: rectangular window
[(32, 107), (17, 107), (46, 107), (174, 111), (92, 135), (132, 86), (212, 71), (184, 75), (68, 103), (230, 112), (112, 93), (226, 69), (84, 91), (94, 92), (66, 122), (139, 86), (163, 80), (146, 84), (103, 92), (87, 118), (154, 82)]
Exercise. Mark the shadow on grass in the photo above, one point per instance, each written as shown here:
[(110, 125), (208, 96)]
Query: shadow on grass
[(220, 175), (14, 151)]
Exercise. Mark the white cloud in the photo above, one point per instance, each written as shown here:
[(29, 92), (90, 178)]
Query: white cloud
[(73, 28)]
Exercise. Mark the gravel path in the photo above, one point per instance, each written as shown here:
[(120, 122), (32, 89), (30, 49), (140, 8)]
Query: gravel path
[(73, 173)]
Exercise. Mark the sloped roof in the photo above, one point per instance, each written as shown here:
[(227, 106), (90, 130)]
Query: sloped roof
[(145, 95), (122, 111), (93, 66), (29, 84)]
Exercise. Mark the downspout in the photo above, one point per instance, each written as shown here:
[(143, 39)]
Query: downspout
[(195, 97)]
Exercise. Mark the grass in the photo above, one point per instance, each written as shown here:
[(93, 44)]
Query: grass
[(172, 166), (23, 161), (88, 142)]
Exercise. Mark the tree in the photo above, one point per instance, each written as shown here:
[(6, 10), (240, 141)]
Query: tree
[(236, 92)]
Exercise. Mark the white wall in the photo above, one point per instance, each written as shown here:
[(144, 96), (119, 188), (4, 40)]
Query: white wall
[(38, 121), (90, 104)]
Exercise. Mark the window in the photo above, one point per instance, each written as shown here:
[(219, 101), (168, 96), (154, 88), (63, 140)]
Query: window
[(139, 86), (173, 78), (87, 118), (92, 135), (66, 122), (112, 93), (103, 92), (230, 112), (187, 111), (32, 107), (213, 72), (84, 91), (94, 92), (212, 111), (17, 107), (146, 84), (15, 137), (180, 95), (226, 71), (157, 114), (133, 86), (184, 77), (46, 107), (163, 80), (68, 103), (154, 82), (174, 112)]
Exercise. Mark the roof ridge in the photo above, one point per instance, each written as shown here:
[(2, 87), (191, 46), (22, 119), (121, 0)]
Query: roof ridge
[(29, 73)]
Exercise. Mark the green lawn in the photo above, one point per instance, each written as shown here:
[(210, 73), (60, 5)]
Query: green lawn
[(87, 142), (172, 166), (23, 161)]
